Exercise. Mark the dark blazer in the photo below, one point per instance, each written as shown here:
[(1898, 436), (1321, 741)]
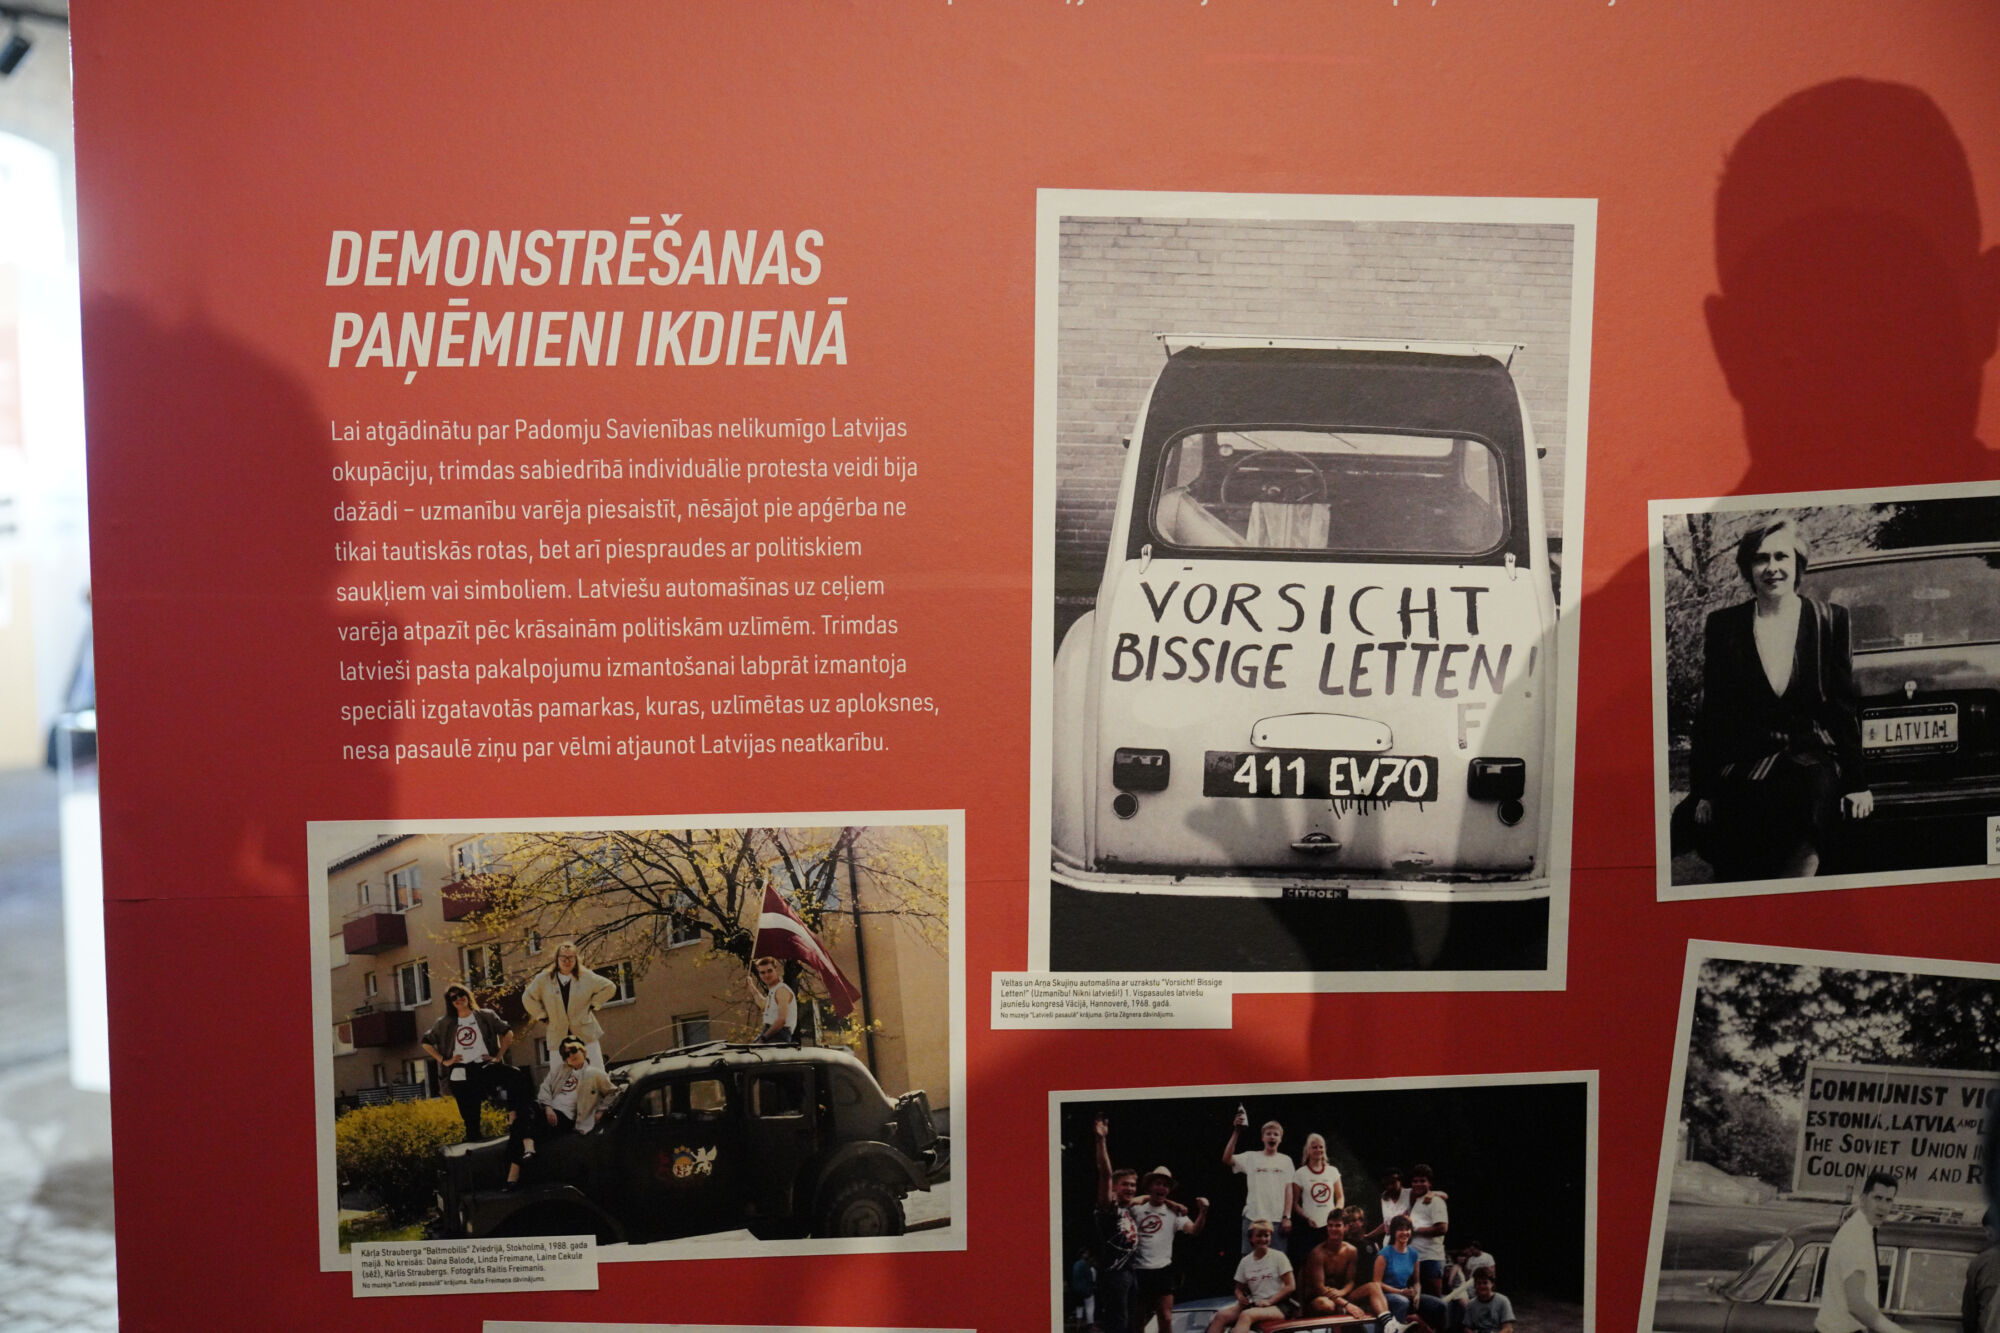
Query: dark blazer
[(1742, 721)]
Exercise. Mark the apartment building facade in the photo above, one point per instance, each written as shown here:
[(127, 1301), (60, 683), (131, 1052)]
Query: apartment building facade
[(405, 922)]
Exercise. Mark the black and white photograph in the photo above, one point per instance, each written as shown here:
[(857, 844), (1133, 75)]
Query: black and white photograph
[(687, 1040), (1309, 473), (1827, 689), (1426, 1203), (1826, 1160)]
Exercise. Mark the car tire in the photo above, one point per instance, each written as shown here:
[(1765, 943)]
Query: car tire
[(860, 1206)]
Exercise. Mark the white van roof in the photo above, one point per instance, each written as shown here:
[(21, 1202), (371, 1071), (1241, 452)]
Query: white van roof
[(1501, 352)]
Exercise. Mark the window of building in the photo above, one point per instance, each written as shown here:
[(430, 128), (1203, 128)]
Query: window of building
[(363, 895), (474, 856), (416, 1071), (482, 965), (381, 1075), (684, 930), (620, 975), (369, 985), (541, 1050), (403, 889), (413, 984), (691, 1029), (534, 942)]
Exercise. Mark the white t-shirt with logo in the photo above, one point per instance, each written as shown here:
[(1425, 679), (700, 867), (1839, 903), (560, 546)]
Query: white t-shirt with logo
[(1157, 1224), (1265, 1174), (468, 1044), (564, 1099), (1264, 1277), (1316, 1191)]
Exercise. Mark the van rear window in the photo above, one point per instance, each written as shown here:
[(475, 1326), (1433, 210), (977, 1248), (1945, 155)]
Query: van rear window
[(1311, 489)]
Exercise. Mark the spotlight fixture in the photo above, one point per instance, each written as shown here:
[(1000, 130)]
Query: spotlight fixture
[(13, 51)]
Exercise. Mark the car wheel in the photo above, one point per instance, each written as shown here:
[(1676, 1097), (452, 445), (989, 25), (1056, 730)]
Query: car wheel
[(860, 1206)]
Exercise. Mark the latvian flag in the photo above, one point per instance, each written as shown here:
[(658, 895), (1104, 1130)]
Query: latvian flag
[(780, 934)]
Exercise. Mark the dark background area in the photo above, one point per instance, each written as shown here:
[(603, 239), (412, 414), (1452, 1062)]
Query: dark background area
[(1510, 1157)]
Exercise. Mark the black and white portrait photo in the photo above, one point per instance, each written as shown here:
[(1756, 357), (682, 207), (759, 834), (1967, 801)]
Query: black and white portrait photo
[(1309, 472), (1826, 668), (1825, 1156)]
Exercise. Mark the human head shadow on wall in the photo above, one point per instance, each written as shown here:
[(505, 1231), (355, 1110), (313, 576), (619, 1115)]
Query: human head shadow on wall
[(1857, 309), (214, 501)]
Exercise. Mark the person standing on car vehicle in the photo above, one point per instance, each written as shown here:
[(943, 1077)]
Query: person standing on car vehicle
[(1847, 1299), (1777, 743), (1158, 1217), (1429, 1220), (565, 996), (781, 1004), (1267, 1174), (1117, 1237), (1315, 1195), (568, 1104), (477, 1066)]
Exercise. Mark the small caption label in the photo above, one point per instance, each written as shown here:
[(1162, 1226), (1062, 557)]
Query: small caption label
[(1110, 1000), (430, 1267)]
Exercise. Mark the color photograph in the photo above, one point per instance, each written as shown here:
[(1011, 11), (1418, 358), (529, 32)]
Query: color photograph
[(684, 1041), (1436, 1203)]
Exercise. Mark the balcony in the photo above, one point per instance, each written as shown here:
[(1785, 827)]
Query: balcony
[(465, 897), (383, 1027), (374, 932)]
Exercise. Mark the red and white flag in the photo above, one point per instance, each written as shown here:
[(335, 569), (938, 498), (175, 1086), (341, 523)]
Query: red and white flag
[(780, 934)]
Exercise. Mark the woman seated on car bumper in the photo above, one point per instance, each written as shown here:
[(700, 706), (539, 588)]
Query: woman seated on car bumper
[(569, 1100)]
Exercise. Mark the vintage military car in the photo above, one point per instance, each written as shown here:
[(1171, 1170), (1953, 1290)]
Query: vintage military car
[(1322, 657), (1920, 1269), (1925, 624), (782, 1140)]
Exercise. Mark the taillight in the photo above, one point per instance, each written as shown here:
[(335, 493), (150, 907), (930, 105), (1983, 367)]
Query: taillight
[(1140, 770), (1496, 779)]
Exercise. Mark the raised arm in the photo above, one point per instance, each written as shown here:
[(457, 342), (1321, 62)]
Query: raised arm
[(1103, 1131), (1235, 1128)]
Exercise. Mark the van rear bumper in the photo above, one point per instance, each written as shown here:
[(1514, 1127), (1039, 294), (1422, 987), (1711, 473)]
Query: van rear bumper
[(1434, 888)]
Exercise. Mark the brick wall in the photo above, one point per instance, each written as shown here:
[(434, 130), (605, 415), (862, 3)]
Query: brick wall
[(1126, 279)]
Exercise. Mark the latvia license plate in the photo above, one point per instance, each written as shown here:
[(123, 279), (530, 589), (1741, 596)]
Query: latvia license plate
[(1918, 729), (1320, 775)]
